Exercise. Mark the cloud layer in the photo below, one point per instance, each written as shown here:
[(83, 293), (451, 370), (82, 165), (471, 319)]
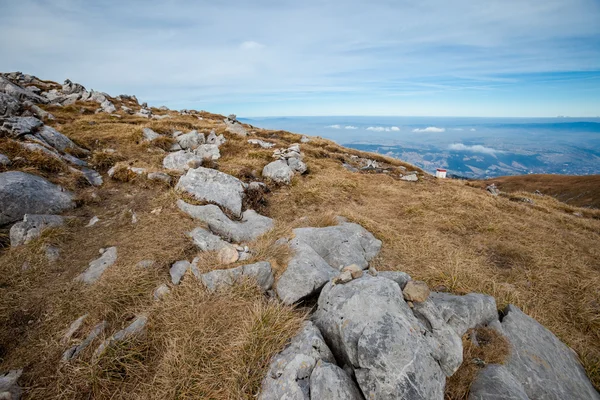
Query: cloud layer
[(474, 148), (429, 129)]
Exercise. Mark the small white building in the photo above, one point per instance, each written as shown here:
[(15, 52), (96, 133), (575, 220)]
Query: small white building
[(440, 173)]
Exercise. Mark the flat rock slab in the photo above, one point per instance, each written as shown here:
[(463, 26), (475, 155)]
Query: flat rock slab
[(319, 255), (249, 228), (261, 272), (545, 366), (181, 160), (57, 140), (22, 193), (206, 241), (98, 266), (32, 227), (372, 330), (290, 371), (213, 186)]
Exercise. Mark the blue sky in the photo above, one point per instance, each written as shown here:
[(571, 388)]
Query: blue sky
[(346, 57)]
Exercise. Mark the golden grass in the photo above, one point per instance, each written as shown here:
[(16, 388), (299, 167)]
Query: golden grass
[(541, 257)]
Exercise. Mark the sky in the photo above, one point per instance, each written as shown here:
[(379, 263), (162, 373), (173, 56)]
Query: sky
[(519, 58)]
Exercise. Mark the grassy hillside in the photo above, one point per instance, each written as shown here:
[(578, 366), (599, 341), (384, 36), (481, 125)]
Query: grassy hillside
[(454, 236), (579, 191)]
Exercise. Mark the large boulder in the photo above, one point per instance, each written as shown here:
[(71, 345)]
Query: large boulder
[(22, 193), (208, 151), (278, 171), (235, 127), (545, 366), (289, 375), (181, 160), (9, 106), (495, 382), (319, 255), (18, 92), (261, 272), (249, 228), (465, 312), (213, 186), (20, 126), (190, 140), (32, 227), (372, 331), (330, 382), (98, 266)]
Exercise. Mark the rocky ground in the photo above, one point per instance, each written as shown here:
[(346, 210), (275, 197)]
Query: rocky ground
[(152, 253)]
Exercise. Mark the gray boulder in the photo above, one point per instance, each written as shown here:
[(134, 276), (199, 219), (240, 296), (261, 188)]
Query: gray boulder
[(38, 112), (319, 255), (261, 272), (401, 278), (32, 227), (9, 106), (178, 270), (495, 382), (213, 186), (545, 366), (69, 87), (290, 371), (98, 266), (181, 160), (212, 138), (410, 178), (278, 171), (149, 135), (330, 382), (19, 126), (261, 143), (92, 176), (372, 330), (9, 388), (208, 151), (235, 127), (22, 193), (249, 228), (190, 140), (57, 140), (206, 241), (297, 165), (465, 312), (18, 92)]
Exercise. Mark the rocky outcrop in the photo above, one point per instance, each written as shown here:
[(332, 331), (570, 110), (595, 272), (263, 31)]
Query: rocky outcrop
[(260, 272), (22, 193), (320, 253), (216, 187), (32, 227), (235, 127), (330, 382), (289, 161), (16, 127), (251, 226), (9, 106), (98, 266), (18, 92)]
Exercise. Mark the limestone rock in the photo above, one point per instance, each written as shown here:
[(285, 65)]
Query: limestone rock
[(22, 193), (495, 382), (16, 127), (330, 382), (181, 160), (493, 189), (74, 327), (32, 227), (261, 143), (160, 176), (74, 351), (206, 241), (401, 278), (261, 272), (57, 140), (372, 330), (9, 388), (178, 270), (304, 139), (190, 140), (415, 291), (134, 329), (98, 266), (249, 228), (41, 114), (9, 106), (465, 312), (212, 138), (290, 371), (297, 165), (4, 161), (18, 92), (278, 171), (546, 367), (160, 292), (214, 186), (235, 127), (149, 135), (228, 255), (208, 152), (410, 178)]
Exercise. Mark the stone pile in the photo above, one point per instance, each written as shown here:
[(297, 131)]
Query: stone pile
[(192, 149), (289, 161)]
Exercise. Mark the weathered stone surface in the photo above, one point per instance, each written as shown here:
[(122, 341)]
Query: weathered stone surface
[(32, 227), (493, 189), (22, 193), (213, 186), (134, 329), (149, 135), (178, 270), (98, 266), (228, 255), (465, 312), (206, 241), (4, 161), (190, 140), (278, 171), (74, 351), (297, 165), (212, 138), (410, 178), (57, 140), (41, 114), (261, 143), (235, 127), (9, 388), (93, 177), (494, 382), (319, 254), (289, 373), (74, 327), (330, 382), (249, 228), (19, 126), (160, 292), (546, 367), (401, 278), (373, 331), (160, 176), (181, 160), (18, 92), (261, 272), (208, 151), (9, 106), (416, 291)]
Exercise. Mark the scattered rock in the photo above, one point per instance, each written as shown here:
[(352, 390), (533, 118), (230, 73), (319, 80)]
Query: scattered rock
[(16, 127), (261, 143), (342, 278), (228, 255), (290, 371), (304, 139), (98, 266), (190, 140), (178, 270), (206, 241), (249, 228), (74, 327), (213, 186), (74, 351), (9, 388), (401, 278), (93, 221), (354, 270), (349, 167), (52, 253), (22, 193), (415, 291), (32, 227), (149, 135), (212, 138), (410, 178), (493, 189), (278, 171), (18, 92), (235, 127), (261, 272), (9, 106), (208, 151), (134, 329), (4, 161), (181, 161), (160, 292), (297, 165), (93, 177)]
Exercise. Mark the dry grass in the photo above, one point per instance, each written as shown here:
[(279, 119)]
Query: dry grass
[(541, 257), (490, 347)]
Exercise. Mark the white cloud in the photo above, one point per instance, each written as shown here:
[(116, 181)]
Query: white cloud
[(395, 128), (336, 126), (430, 129), (251, 45), (474, 149), (350, 127), (473, 129)]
